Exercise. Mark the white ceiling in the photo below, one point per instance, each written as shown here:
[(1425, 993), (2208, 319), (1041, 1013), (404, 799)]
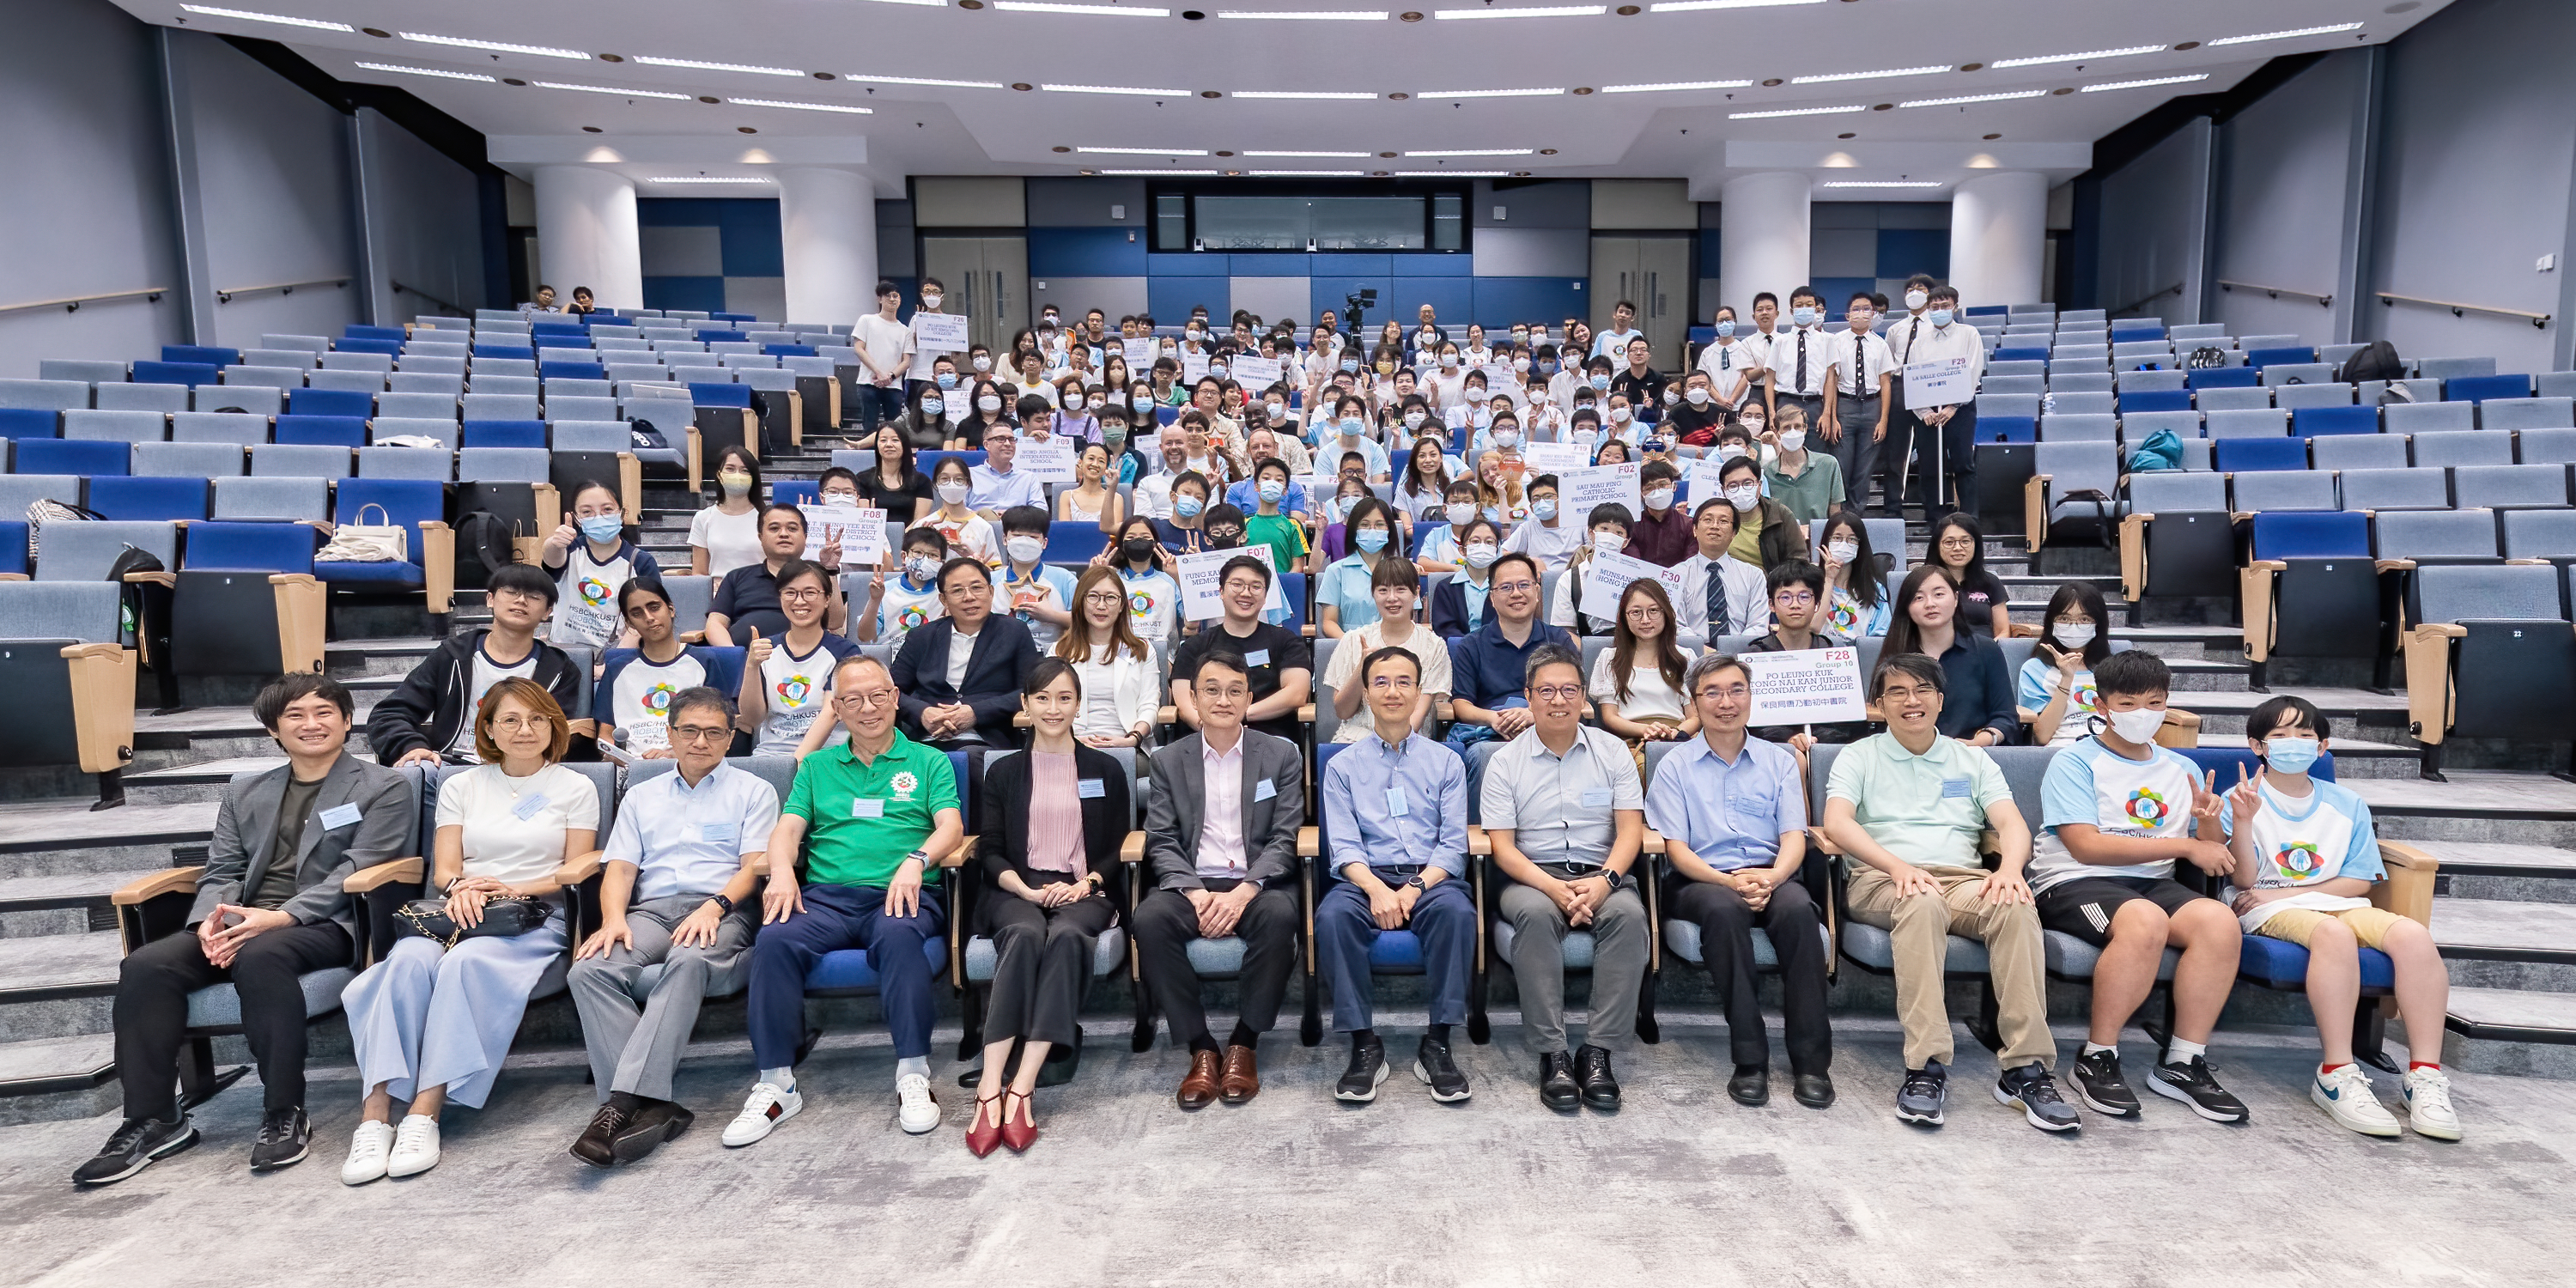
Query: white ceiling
[(915, 130)]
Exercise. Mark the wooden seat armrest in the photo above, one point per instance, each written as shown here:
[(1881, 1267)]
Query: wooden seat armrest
[(1823, 844), (1132, 850), (166, 881), (1310, 842), (2444, 630), (2133, 555), (2181, 729), (580, 868), (75, 652), (365, 879), (2427, 655), (1020, 720), (2408, 890), (2402, 854), (2520, 562), (693, 637), (2393, 565), (1306, 714), (1167, 715), (152, 578), (958, 857), (15, 576), (1479, 845), (2034, 510)]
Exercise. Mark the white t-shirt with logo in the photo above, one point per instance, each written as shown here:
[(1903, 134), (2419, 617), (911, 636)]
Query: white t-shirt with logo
[(486, 674), (2090, 783), (797, 691), (639, 697), (2305, 842), (586, 597)]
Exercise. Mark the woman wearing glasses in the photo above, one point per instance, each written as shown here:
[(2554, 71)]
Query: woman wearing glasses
[(1114, 666), (787, 680)]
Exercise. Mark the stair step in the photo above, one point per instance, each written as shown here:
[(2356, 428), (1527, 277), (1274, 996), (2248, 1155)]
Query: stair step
[(72, 825), (2514, 1015), (2473, 793), (204, 772), (64, 890), (42, 967), (178, 728), (37, 1066), (2499, 930), (2334, 702), (2499, 859)]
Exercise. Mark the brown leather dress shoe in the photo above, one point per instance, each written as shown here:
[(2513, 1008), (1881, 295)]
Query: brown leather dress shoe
[(1242, 1075), (1199, 1089)]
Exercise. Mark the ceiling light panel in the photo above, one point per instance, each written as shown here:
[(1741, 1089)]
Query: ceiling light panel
[(283, 20), (497, 47), (1872, 183), (1976, 98), (865, 79), (846, 108), (1313, 94), (1148, 152), (1087, 10), (1694, 6), (2093, 56), (606, 89), (1115, 89), (695, 65), (702, 178), (1476, 152), (2142, 84), (1452, 174), (1335, 155), (1306, 174), (1305, 15), (441, 73), (1855, 76), (1178, 172), (1532, 11), (1795, 111), (2288, 35), (1487, 93), (1674, 85)]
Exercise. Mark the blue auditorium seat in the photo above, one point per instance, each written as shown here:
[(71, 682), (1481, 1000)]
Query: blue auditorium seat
[(148, 499), (322, 431), (330, 402), (2230, 455), (2309, 422), (505, 433), (2225, 378), (2156, 400), (30, 422), (2456, 389), (2261, 358), (70, 456), (201, 353), (191, 374)]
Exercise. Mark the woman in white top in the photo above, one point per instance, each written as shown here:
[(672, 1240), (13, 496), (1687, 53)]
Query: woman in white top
[(787, 681), (1636, 683), (968, 533), (1143, 568), (1090, 499), (726, 535), (636, 696), (432, 1023), (593, 559), (1121, 682), (1397, 589), (1422, 486), (2055, 687)]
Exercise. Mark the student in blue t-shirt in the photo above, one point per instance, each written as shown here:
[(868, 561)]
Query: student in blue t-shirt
[(2118, 811), (2306, 860)]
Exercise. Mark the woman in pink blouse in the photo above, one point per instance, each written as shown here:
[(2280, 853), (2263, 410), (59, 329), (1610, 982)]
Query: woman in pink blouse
[(1053, 819)]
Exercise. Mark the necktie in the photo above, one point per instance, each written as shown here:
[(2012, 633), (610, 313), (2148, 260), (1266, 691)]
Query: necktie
[(1910, 334), (1718, 623), (1802, 360)]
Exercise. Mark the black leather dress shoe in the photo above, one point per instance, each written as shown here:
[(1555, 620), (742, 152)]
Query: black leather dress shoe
[(656, 1122), (1556, 1087), (1814, 1090), (1592, 1069), (1751, 1086)]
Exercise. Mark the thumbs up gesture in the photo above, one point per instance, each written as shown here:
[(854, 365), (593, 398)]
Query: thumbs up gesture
[(758, 650), (566, 534)]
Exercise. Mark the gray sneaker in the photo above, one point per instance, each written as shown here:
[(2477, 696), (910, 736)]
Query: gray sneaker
[(2030, 1088), (1925, 1092)]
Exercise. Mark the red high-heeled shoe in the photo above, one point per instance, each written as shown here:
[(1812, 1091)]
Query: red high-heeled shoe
[(985, 1133), (1019, 1131)]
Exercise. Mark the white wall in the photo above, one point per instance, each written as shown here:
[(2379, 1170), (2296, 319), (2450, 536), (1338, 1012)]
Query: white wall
[(89, 183), (2153, 226), (427, 220), (2285, 168), (273, 167)]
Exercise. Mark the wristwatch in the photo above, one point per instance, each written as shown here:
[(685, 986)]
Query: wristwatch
[(722, 902), (1416, 882), (922, 856)]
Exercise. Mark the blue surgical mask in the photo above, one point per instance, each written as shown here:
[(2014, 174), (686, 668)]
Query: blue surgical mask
[(948, 380), (1940, 317), (602, 528), (1601, 382), (933, 407), (1803, 316), (1350, 364), (1371, 540), (1187, 507), (1271, 490), (1726, 326), (1543, 509), (1351, 426), (1547, 367), (2290, 755)]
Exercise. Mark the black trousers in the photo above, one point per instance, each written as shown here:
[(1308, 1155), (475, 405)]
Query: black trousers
[(1726, 923), (152, 990), (1042, 964), (1953, 454), (1165, 925)]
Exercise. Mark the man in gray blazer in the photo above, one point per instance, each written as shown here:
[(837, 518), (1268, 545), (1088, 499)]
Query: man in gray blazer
[(1221, 842), (259, 923)]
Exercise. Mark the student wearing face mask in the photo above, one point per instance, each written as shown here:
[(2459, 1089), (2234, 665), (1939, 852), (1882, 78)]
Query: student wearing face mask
[(1270, 523), (1343, 599), (1470, 408), (1350, 434), (968, 533), (1619, 421), (1606, 531), (593, 557), (1856, 406), (1439, 551), (1732, 368), (1153, 597), (1128, 466), (933, 294), (1663, 533), (1765, 534), (1800, 357), (2057, 698), (1501, 435), (726, 535), (1807, 484), (1696, 419), (985, 412), (927, 422), (1855, 595), (1245, 494), (1038, 593), (1186, 530), (1458, 602), (1545, 535), (1943, 439)]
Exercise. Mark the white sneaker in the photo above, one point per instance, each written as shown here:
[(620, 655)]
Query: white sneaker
[(2347, 1094), (765, 1108), (2428, 1104), (415, 1146), (367, 1151), (920, 1108)]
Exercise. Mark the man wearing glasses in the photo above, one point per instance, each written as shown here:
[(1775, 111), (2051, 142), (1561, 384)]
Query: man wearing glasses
[(1733, 814), (1566, 817), (1798, 623), (1489, 668), (675, 891)]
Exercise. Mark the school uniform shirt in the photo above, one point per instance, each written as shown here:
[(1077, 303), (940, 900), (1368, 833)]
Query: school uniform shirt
[(514, 827), (1726, 362), (1929, 343), (586, 594), (690, 840), (1613, 344), (2039, 680), (1045, 585), (2305, 842), (635, 695), (1796, 378), (903, 607), (971, 536), (1858, 359), (2090, 783), (486, 674), (1846, 616), (797, 691), (1551, 546), (1345, 586), (730, 540)]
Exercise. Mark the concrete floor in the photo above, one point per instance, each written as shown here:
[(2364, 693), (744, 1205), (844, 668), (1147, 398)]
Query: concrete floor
[(1682, 1187)]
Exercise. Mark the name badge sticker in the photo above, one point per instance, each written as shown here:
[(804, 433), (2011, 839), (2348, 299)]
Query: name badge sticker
[(339, 816), (866, 807), (1257, 657), (1596, 798), (1090, 789), (1395, 803), (1954, 789), (528, 807), (716, 833), (1264, 790)]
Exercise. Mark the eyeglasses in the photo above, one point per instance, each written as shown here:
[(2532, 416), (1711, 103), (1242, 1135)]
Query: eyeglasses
[(699, 733), (520, 723), (1793, 599), (864, 698), (1513, 587), (1905, 693), (1106, 598), (1958, 539), (1558, 693), (1736, 690)]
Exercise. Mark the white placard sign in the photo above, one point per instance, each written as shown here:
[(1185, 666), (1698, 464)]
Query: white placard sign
[(1703, 478), (862, 532), (1199, 572), (1254, 374), (1555, 458), (1047, 461), (1608, 575), (1943, 382), (1580, 490), (1499, 378), (940, 332), (1141, 353), (1808, 686), (1193, 366)]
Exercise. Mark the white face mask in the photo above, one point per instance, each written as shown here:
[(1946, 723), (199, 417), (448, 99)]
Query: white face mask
[(1619, 415), (1917, 299), (1025, 549), (2137, 726), (841, 498), (988, 404), (1462, 512), (953, 493), (1659, 498), (2075, 634), (1413, 420), (1698, 397), (983, 363), (1609, 542), (1744, 496), (922, 568), (1276, 410), (1481, 555), (930, 301), (1842, 552), (1793, 440)]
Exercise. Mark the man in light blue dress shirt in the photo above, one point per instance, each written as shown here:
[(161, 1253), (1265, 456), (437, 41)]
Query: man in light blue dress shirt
[(1395, 817)]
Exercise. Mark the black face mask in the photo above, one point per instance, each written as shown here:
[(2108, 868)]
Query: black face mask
[(1137, 549), (1227, 539)]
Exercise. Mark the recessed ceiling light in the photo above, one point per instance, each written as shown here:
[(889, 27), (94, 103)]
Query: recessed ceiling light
[(1148, 152), (1532, 11), (605, 89), (378, 32), (1872, 183), (744, 129), (865, 78), (1307, 15), (703, 178), (1306, 154), (612, 58), (439, 72), (1853, 76), (591, 129), (1475, 152), (1306, 174), (716, 67), (1846, 135), (1117, 89), (1976, 98), (709, 99), (1180, 172), (1487, 93), (1093, 10), (849, 108), (2286, 35), (2045, 59), (1773, 82), (2142, 84), (1991, 137), (280, 19), (495, 46), (514, 81), (1547, 152), (1302, 93), (1693, 6), (1796, 111), (1673, 85)]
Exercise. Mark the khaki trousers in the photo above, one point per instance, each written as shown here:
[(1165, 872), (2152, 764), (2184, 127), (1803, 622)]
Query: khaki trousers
[(1921, 926)]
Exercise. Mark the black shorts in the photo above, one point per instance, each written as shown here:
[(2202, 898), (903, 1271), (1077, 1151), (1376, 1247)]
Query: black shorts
[(2084, 906)]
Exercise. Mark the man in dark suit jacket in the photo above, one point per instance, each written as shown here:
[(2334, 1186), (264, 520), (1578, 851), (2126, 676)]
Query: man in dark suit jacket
[(1221, 845), (961, 675), (260, 922)]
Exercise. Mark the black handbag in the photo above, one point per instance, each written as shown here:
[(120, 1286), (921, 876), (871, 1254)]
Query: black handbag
[(505, 916)]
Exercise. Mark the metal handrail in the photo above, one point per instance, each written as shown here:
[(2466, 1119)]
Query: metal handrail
[(2392, 298), (2277, 292), (400, 289), (225, 296), (72, 303), (2175, 289)]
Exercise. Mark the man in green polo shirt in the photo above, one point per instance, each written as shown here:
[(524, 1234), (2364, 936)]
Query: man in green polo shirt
[(1906, 808), (873, 816)]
